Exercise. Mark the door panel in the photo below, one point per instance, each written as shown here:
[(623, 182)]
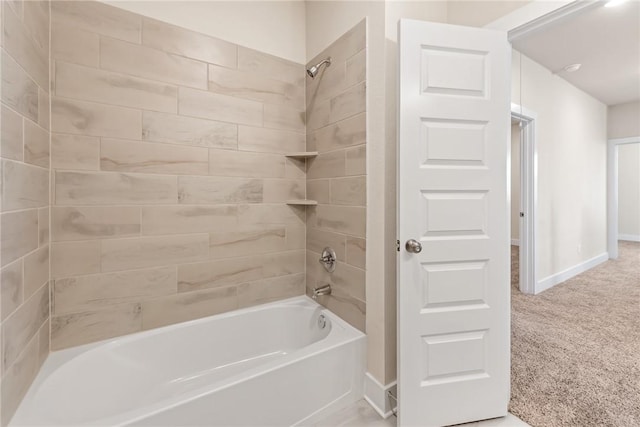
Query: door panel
[(453, 296)]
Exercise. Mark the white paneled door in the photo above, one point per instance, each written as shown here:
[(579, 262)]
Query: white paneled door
[(453, 224)]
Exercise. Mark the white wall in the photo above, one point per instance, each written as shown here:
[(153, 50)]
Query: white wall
[(629, 192), (275, 27), (478, 13), (515, 182), (571, 137), (624, 120)]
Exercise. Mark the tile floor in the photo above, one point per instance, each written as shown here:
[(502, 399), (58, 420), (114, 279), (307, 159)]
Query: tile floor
[(360, 414)]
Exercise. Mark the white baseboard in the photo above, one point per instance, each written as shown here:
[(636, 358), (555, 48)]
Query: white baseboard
[(554, 279), (376, 395), (515, 242), (629, 237)]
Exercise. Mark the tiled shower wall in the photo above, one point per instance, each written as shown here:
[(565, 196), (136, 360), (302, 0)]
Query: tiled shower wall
[(336, 178), (24, 222), (170, 176)]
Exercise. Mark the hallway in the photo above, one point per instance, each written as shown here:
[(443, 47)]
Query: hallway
[(575, 347)]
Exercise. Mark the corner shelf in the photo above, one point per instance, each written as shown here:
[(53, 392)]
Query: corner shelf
[(302, 154), (302, 202)]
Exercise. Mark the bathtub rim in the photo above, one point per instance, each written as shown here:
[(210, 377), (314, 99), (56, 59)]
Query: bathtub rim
[(342, 333)]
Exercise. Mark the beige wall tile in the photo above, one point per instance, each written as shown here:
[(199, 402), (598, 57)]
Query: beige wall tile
[(281, 190), (270, 66), (152, 64), (36, 270), (69, 330), (213, 106), (143, 157), (188, 219), (88, 118), (43, 226), (342, 219), (17, 380), (127, 254), (94, 292), (284, 117), (11, 134), (75, 152), (317, 240), (216, 274), (270, 140), (188, 306), (104, 188), (252, 85), (348, 103), (11, 281), (85, 118), (349, 309), (74, 45), (349, 191), (214, 190), (283, 263), (75, 258), (356, 68), (36, 22), (98, 18), (19, 91), (90, 84), (270, 214), (24, 186), (227, 244), (268, 290), (295, 168), (19, 328), (188, 130), (245, 164), (87, 223), (44, 345), (356, 163), (36, 144), (317, 117), (296, 237), (18, 43), (346, 279), (346, 133), (329, 82), (170, 38), (44, 102), (356, 252), (326, 165), (19, 234), (318, 189)]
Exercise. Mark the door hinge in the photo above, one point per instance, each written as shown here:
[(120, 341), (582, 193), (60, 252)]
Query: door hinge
[(398, 245), (521, 214)]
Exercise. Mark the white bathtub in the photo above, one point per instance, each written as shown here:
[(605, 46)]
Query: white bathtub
[(270, 365)]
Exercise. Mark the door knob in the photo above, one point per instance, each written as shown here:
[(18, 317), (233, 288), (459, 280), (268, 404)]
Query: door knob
[(413, 246)]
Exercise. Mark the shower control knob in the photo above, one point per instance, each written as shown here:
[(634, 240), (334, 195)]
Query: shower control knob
[(413, 246)]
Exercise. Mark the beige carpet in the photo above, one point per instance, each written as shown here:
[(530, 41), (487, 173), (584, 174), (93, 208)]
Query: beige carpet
[(576, 348)]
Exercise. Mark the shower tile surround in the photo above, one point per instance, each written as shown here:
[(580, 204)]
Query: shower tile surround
[(168, 154), (336, 178), (150, 188), (24, 217)]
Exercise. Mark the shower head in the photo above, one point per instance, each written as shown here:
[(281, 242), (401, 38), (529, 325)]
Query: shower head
[(313, 71)]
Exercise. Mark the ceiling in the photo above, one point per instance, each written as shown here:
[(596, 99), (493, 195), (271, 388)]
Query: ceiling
[(605, 40)]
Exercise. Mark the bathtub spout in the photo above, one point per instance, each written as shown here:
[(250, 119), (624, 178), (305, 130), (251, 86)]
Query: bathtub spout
[(322, 290)]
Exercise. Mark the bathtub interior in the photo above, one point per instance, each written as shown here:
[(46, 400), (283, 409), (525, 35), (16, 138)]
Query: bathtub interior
[(161, 367)]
